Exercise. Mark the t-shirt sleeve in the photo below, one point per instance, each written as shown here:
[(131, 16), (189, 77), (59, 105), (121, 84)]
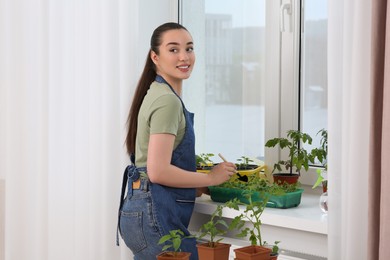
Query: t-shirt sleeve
[(166, 113)]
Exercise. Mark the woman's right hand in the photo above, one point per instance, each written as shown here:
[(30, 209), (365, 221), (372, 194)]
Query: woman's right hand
[(222, 172)]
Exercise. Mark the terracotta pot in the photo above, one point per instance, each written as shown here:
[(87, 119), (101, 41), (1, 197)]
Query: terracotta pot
[(170, 255), (324, 186), (280, 178), (253, 253), (220, 252)]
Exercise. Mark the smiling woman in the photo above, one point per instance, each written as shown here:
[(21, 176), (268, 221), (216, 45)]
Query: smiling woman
[(162, 177)]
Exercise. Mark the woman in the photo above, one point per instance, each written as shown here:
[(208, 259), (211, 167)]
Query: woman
[(162, 179)]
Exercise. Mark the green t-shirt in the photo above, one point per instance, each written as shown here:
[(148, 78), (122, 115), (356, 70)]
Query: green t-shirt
[(161, 112)]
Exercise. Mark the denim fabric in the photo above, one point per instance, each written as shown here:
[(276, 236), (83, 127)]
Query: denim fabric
[(138, 225), (152, 211)]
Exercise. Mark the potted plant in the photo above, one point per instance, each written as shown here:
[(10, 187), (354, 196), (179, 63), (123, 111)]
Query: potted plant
[(204, 162), (252, 214), (172, 241), (298, 157), (274, 248), (245, 163), (213, 249), (321, 154), (245, 167), (279, 195)]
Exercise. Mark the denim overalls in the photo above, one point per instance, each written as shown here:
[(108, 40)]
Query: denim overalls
[(148, 213)]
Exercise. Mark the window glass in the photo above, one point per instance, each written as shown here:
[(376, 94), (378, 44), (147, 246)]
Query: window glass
[(226, 90), (314, 84)]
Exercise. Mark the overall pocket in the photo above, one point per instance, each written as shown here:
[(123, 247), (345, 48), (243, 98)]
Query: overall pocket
[(131, 230)]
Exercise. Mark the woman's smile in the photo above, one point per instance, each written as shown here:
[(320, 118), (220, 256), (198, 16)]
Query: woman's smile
[(183, 68)]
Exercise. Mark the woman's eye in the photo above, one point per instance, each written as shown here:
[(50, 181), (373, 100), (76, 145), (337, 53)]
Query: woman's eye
[(190, 49), (173, 50)]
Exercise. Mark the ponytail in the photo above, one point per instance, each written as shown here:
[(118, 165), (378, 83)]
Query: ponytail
[(147, 77)]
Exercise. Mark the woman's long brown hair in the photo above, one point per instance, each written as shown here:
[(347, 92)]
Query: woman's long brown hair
[(147, 77)]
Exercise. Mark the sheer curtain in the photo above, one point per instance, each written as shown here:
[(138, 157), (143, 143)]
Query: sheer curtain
[(349, 62), (65, 89)]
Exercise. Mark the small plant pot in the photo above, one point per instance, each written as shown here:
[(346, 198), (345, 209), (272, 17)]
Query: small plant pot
[(274, 257), (253, 253), (281, 178), (174, 255), (324, 186), (220, 252)]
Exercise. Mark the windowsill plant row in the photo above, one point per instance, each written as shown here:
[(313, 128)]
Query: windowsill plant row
[(255, 194)]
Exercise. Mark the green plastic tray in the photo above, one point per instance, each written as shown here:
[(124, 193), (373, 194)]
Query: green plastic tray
[(285, 201)]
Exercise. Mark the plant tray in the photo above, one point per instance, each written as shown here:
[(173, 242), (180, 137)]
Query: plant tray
[(256, 170), (285, 201)]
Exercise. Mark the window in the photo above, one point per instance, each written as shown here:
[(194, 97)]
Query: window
[(314, 67), (260, 71)]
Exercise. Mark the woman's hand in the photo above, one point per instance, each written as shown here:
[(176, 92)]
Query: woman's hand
[(222, 172)]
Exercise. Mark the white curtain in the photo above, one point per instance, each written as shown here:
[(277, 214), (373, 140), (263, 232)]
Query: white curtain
[(64, 96), (349, 117)]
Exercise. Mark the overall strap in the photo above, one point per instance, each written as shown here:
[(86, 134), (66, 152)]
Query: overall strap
[(160, 79)]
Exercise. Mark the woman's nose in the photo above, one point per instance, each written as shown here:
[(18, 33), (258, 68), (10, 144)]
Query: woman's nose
[(183, 56)]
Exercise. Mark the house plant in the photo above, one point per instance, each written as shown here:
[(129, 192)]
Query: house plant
[(245, 166), (274, 248), (298, 157), (204, 163), (244, 163), (252, 214), (213, 249), (321, 154), (173, 240), (279, 195)]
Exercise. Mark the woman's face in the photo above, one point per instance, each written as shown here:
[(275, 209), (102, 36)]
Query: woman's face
[(176, 58)]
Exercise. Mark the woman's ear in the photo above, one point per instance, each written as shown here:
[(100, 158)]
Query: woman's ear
[(154, 57)]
